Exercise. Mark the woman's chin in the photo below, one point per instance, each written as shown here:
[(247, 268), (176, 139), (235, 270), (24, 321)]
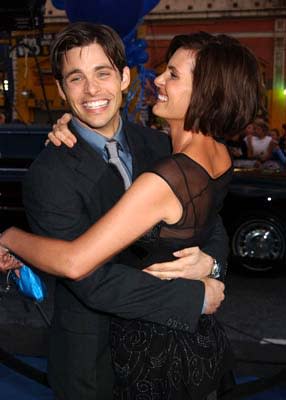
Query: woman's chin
[(156, 110)]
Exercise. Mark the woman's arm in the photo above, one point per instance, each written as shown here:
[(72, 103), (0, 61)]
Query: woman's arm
[(148, 201)]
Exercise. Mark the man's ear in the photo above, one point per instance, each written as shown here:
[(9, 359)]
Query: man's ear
[(60, 90), (125, 81)]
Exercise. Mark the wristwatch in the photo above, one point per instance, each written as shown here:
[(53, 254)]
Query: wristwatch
[(215, 272)]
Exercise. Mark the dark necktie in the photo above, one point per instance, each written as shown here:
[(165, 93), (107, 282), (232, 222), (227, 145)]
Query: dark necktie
[(114, 159)]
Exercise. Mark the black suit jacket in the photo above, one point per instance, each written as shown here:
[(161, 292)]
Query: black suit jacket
[(65, 191)]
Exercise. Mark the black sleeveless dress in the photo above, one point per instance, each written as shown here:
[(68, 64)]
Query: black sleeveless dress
[(154, 362)]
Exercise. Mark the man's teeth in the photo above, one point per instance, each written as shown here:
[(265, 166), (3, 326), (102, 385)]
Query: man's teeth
[(162, 98), (96, 104)]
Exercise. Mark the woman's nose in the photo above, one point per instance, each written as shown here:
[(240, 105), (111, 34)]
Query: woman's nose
[(159, 80)]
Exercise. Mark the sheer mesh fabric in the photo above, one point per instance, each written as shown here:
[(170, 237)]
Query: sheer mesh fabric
[(201, 195)]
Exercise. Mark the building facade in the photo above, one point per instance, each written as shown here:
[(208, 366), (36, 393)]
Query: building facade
[(259, 24)]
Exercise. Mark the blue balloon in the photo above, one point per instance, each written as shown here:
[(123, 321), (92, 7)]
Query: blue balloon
[(121, 15), (59, 4), (135, 49), (148, 5)]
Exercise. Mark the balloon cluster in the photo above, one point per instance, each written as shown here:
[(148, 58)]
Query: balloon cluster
[(124, 17), (137, 56)]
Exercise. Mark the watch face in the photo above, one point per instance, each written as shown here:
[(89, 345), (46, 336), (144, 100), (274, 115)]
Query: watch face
[(216, 269)]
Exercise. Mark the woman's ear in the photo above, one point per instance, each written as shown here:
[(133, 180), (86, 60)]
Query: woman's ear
[(125, 81)]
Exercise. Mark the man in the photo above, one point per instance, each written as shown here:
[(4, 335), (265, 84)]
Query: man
[(67, 190)]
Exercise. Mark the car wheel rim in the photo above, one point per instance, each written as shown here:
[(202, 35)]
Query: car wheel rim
[(260, 242)]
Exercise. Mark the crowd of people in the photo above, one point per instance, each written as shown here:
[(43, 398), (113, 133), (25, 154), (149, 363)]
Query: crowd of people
[(258, 146)]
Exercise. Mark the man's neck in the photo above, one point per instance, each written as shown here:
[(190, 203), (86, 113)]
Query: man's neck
[(107, 132)]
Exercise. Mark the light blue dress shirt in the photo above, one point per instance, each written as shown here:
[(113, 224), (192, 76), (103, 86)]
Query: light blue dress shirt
[(97, 141)]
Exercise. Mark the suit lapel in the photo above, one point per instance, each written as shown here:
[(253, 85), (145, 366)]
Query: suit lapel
[(87, 161), (138, 149), (90, 164)]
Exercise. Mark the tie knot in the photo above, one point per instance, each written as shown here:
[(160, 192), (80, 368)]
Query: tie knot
[(112, 148)]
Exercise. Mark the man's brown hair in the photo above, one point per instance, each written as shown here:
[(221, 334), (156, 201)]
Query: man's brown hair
[(80, 34)]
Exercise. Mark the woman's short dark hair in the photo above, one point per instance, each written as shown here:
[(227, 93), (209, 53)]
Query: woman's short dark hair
[(80, 34), (226, 91)]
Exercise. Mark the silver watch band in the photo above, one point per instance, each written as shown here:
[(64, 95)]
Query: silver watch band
[(215, 272)]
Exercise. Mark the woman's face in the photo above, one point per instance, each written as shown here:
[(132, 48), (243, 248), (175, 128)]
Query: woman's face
[(175, 86)]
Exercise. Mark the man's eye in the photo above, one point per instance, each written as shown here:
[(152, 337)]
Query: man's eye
[(74, 79), (103, 74)]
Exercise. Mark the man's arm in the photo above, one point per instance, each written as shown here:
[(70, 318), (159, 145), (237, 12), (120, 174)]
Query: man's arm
[(218, 246)]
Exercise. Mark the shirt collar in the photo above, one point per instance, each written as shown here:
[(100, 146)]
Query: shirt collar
[(95, 139)]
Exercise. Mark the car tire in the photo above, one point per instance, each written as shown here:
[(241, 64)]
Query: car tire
[(258, 242)]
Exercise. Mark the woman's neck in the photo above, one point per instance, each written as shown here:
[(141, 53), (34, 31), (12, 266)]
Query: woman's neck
[(179, 136)]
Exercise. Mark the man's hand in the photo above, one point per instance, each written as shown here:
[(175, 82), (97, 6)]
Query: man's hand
[(192, 263), (214, 295), (61, 133)]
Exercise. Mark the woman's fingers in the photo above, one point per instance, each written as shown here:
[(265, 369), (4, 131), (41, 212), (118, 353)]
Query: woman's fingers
[(187, 252), (163, 275), (192, 263)]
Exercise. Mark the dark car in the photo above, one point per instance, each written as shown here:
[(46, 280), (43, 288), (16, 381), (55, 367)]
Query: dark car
[(19, 146), (254, 214)]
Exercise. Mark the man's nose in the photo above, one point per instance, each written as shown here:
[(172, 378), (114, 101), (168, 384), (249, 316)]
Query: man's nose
[(92, 86)]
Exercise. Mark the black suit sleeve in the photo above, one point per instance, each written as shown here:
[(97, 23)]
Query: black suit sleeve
[(218, 245), (54, 208)]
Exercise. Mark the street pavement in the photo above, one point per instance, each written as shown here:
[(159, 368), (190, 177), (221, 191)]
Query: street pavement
[(254, 314)]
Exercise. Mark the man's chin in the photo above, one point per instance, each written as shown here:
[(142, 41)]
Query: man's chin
[(90, 124)]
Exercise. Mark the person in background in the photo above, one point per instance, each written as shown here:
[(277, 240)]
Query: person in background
[(282, 140), (237, 146), (277, 152), (259, 146), (67, 190), (174, 203)]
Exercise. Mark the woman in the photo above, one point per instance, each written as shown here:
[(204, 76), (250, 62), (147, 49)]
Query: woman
[(207, 90)]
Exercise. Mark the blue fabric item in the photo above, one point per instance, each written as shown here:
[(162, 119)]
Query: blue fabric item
[(30, 284), (59, 4), (280, 156)]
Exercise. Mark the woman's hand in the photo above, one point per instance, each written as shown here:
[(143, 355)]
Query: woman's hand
[(192, 263), (61, 133), (7, 260)]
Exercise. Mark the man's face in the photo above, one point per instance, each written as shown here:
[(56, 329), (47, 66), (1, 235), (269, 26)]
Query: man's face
[(93, 87)]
